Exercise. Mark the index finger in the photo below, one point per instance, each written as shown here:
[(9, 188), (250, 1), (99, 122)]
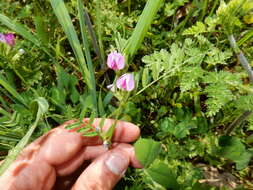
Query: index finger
[(125, 132)]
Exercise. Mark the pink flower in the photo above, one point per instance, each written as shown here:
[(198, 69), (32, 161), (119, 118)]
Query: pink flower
[(126, 82), (116, 61), (10, 39)]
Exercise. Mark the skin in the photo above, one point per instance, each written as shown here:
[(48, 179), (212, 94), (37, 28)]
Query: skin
[(64, 159)]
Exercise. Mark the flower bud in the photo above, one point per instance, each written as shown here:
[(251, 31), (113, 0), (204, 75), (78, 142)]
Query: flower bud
[(21, 51), (111, 87)]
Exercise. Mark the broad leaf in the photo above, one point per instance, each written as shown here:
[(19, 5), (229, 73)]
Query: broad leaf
[(162, 174), (146, 151), (232, 148)]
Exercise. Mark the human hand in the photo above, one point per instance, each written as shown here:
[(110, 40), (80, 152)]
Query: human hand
[(45, 163)]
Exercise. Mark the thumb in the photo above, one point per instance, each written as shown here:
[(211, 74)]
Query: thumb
[(106, 171)]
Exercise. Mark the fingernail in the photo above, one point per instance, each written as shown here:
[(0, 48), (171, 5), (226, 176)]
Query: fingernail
[(116, 163)]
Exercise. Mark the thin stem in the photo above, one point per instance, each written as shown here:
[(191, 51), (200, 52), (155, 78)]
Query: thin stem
[(93, 38), (244, 62), (214, 6), (241, 57), (99, 29), (181, 25), (65, 59), (129, 6), (238, 121), (204, 9)]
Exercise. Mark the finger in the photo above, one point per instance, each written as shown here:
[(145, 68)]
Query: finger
[(88, 153), (37, 160), (55, 148), (40, 174), (105, 172), (61, 146), (124, 131)]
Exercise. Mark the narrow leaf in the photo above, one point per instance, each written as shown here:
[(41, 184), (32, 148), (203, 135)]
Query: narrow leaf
[(42, 107), (62, 14), (142, 27), (11, 90), (87, 52)]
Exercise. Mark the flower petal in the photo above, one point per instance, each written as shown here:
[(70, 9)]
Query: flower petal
[(115, 61), (126, 82)]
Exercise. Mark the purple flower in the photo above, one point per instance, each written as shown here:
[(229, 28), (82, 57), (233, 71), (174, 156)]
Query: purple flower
[(126, 82), (116, 61), (10, 39)]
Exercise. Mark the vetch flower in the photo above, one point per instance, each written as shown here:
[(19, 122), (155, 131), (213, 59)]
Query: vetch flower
[(116, 61), (126, 82), (10, 39)]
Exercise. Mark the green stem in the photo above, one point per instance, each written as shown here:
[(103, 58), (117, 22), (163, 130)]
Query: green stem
[(214, 6), (204, 9), (129, 7), (181, 25)]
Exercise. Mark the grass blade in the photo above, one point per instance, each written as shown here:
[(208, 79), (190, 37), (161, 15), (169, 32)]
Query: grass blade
[(11, 90), (87, 51), (62, 14), (142, 27)]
